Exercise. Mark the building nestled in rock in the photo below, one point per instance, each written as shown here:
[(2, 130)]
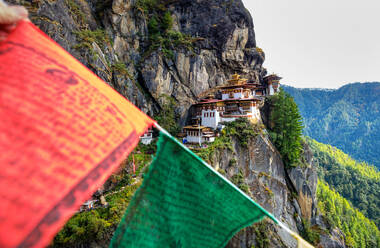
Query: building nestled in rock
[(197, 134), (272, 84), (240, 98)]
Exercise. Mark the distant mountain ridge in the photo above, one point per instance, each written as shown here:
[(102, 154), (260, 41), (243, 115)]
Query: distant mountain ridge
[(348, 118)]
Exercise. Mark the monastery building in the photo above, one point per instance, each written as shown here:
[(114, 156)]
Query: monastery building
[(239, 98)]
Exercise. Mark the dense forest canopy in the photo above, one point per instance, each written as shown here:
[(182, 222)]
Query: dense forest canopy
[(348, 118), (358, 182), (358, 230)]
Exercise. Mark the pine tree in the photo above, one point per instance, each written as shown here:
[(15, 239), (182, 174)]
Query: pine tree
[(287, 127)]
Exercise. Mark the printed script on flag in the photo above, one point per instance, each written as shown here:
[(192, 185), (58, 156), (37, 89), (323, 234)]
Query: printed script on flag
[(184, 203), (62, 133)]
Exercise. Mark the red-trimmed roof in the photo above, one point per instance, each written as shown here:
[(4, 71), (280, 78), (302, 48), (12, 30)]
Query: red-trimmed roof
[(205, 101), (247, 85)]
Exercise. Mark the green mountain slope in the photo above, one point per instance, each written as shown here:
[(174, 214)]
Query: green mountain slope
[(357, 182), (348, 118), (358, 230)]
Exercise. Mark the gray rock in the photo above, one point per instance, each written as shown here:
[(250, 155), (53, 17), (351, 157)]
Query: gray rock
[(224, 30), (334, 240)]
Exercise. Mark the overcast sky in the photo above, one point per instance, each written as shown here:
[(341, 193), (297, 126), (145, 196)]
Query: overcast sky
[(319, 43)]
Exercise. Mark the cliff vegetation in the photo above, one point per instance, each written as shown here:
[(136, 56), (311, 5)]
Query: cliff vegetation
[(285, 127)]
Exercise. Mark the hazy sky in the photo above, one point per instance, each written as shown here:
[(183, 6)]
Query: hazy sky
[(319, 43)]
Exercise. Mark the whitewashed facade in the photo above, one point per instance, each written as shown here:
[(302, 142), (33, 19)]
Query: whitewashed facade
[(147, 138), (271, 90), (198, 134), (210, 118)]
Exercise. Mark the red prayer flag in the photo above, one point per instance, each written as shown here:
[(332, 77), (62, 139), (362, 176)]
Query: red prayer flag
[(63, 131)]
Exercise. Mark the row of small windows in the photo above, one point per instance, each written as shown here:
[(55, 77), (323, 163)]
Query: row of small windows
[(210, 108), (193, 133), (212, 114)]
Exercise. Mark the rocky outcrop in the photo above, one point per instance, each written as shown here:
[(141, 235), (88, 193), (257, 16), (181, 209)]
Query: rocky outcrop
[(333, 240), (304, 180), (111, 38), (288, 193), (259, 170)]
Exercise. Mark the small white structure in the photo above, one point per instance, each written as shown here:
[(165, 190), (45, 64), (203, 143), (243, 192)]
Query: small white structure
[(272, 83), (198, 134), (147, 138), (88, 205)]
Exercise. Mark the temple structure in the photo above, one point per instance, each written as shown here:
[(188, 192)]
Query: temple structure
[(198, 134), (272, 84), (238, 98)]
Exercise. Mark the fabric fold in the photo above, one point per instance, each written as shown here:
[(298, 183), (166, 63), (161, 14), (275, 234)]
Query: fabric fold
[(184, 203)]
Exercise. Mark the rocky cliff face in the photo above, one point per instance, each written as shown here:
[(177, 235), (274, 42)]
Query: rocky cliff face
[(112, 38), (290, 194), (264, 178)]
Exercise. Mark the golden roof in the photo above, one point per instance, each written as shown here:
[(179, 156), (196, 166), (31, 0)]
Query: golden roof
[(236, 80), (195, 127)]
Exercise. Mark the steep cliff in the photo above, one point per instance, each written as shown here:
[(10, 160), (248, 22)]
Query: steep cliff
[(258, 170), (113, 39), (256, 167)]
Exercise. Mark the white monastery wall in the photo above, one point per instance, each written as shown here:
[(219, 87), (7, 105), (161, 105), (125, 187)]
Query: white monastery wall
[(271, 90), (210, 118)]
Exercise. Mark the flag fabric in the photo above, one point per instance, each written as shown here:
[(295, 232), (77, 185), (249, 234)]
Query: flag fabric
[(184, 203), (300, 242), (63, 131)]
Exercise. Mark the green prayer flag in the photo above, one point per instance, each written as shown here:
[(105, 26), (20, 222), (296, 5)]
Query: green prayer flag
[(184, 203)]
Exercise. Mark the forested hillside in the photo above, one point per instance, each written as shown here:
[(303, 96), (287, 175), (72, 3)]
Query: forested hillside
[(358, 230), (357, 182), (348, 118)]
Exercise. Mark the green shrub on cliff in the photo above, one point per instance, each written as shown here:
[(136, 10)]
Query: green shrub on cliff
[(243, 130), (167, 21), (167, 117), (286, 127), (161, 35)]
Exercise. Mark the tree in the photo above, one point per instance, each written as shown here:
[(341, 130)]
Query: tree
[(167, 21), (286, 128), (153, 26), (167, 117)]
